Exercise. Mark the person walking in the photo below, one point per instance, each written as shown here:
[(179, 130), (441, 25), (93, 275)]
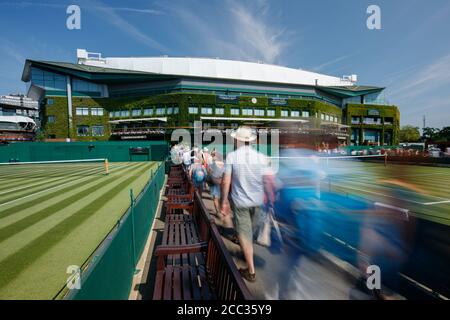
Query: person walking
[(245, 183), (215, 171)]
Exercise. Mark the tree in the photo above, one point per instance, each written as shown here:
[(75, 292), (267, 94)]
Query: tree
[(429, 133), (409, 133), (444, 134)]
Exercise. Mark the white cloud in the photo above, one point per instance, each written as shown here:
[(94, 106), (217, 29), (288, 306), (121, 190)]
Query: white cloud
[(109, 15), (59, 5), (332, 62), (242, 30), (428, 78), (424, 92), (259, 37)]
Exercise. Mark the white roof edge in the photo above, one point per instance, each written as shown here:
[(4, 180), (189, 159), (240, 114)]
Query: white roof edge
[(218, 68)]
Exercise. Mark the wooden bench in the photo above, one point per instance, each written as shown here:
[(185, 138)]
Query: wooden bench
[(181, 273), (193, 262)]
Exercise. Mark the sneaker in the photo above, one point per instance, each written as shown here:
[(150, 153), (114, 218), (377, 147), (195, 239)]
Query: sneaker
[(251, 277)]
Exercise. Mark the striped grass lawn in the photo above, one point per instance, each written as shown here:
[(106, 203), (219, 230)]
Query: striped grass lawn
[(425, 192), (54, 216)]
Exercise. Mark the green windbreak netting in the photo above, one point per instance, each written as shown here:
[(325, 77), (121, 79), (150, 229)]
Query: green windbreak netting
[(112, 150), (110, 271)]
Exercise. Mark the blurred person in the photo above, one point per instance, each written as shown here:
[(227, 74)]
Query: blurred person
[(206, 157), (187, 159), (387, 233), (245, 183), (215, 171), (197, 173)]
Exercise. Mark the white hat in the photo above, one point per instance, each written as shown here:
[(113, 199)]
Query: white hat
[(244, 134)]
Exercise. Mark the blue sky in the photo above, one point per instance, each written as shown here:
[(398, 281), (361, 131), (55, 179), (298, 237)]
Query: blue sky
[(410, 55)]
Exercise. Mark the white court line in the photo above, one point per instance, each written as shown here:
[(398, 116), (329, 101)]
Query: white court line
[(392, 188), (376, 193), (33, 194), (437, 202), (49, 181)]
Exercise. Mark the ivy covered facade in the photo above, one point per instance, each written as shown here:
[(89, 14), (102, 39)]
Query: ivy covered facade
[(86, 103)]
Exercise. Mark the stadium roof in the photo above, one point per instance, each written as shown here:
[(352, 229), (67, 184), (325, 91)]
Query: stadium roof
[(116, 70), (214, 68)]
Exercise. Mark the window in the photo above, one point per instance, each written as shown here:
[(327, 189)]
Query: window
[(305, 114), (82, 111), (220, 125), (322, 116), (136, 112), (148, 111), (50, 119), (97, 111), (82, 131), (125, 113), (50, 102), (372, 120), (271, 113), (259, 112), (160, 111), (117, 113), (176, 110), (81, 85), (207, 110), (98, 131), (234, 111), (247, 112), (48, 80), (193, 110), (327, 118), (220, 111), (295, 114), (206, 125), (169, 110), (332, 118), (284, 113), (356, 120)]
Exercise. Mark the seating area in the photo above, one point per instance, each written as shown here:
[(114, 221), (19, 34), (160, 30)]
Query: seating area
[(192, 260)]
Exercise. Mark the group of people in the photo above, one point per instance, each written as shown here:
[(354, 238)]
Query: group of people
[(243, 188), (240, 186)]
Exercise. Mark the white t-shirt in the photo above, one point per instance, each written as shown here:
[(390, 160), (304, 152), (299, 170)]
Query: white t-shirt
[(187, 158), (247, 168)]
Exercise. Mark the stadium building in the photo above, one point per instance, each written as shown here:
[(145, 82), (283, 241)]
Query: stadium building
[(19, 118), (143, 98)]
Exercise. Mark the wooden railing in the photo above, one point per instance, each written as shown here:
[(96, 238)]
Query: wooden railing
[(223, 275)]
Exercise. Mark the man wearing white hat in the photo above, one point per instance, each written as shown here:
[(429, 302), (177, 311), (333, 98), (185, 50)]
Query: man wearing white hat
[(246, 173)]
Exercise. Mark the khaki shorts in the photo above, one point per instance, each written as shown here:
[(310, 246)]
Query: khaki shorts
[(244, 219)]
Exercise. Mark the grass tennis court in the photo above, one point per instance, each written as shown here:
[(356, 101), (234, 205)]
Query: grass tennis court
[(53, 216), (430, 200)]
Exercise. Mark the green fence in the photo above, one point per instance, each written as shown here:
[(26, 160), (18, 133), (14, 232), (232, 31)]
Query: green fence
[(108, 273), (112, 150)]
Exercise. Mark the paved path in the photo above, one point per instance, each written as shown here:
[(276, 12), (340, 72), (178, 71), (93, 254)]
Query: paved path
[(287, 275)]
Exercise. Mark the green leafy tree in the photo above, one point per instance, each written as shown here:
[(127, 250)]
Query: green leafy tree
[(444, 134), (429, 133), (409, 133)]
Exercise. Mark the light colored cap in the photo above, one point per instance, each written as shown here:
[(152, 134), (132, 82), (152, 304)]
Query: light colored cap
[(244, 134)]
